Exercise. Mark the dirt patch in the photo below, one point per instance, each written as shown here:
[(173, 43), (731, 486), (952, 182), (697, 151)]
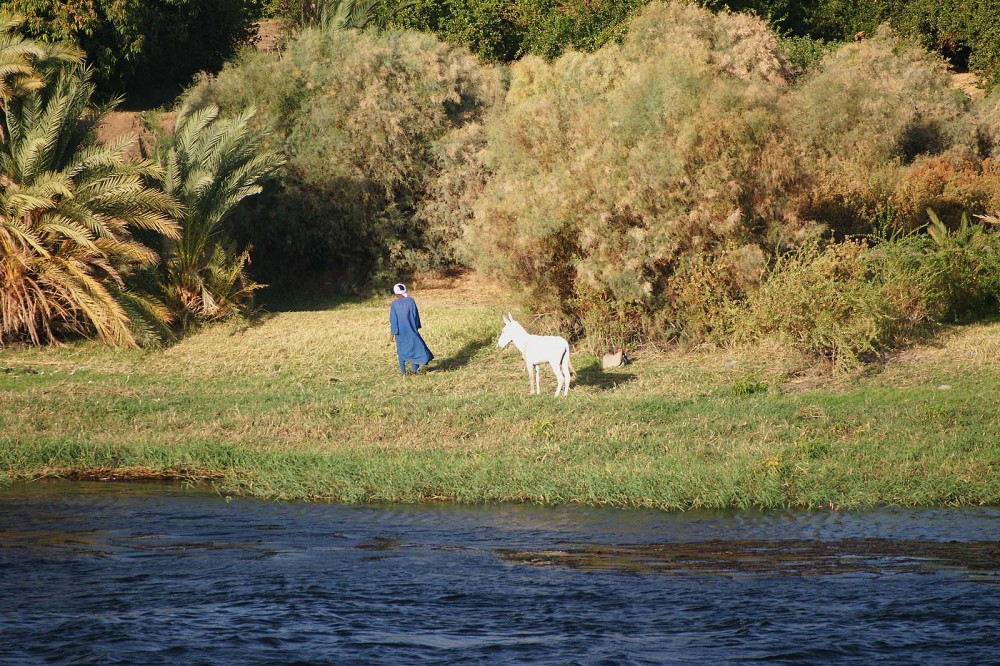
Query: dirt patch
[(467, 288), (270, 35), (121, 123)]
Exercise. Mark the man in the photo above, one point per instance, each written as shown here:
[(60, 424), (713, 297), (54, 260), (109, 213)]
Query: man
[(404, 322)]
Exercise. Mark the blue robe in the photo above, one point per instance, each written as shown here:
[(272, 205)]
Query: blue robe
[(404, 321)]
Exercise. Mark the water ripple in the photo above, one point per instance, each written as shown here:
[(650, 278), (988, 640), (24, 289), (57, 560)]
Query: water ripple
[(111, 573)]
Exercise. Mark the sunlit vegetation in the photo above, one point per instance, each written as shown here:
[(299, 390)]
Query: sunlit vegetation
[(652, 190), (308, 404), (359, 116), (963, 32), (776, 224), (70, 210), (645, 192), (211, 164), (82, 222)]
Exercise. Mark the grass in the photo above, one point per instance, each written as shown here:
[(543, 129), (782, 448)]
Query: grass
[(308, 404)]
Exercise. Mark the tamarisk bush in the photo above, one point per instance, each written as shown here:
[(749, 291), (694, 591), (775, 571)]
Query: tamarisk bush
[(358, 116), (615, 175), (653, 189)]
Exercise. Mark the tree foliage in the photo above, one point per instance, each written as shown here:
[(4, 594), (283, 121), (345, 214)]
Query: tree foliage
[(22, 61), (967, 33), (610, 172), (135, 41), (70, 213), (358, 115), (647, 190), (211, 164)]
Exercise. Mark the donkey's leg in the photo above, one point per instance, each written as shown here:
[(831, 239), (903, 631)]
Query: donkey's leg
[(559, 378), (538, 380), (531, 377), (566, 373)]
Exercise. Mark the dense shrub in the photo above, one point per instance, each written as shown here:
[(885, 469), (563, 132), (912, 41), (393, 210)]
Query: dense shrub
[(966, 33), (804, 53), (886, 132), (687, 182), (987, 112), (497, 30), (138, 42), (955, 272), (854, 299), (823, 301), (359, 116), (551, 27), (296, 12), (882, 98), (488, 28), (614, 174), (651, 188)]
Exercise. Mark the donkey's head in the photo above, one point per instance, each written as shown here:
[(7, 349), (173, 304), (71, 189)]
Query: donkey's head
[(511, 329)]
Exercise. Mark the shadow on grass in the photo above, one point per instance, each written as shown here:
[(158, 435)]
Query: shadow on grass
[(594, 375), (933, 335), (274, 300), (461, 358)]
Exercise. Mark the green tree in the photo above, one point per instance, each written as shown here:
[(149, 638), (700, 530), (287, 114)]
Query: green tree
[(21, 60), (143, 43), (211, 165), (358, 115), (69, 212)]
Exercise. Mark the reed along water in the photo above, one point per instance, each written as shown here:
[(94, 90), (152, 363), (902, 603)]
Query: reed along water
[(107, 573)]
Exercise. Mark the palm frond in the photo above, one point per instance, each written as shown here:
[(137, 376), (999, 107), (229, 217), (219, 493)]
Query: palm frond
[(212, 164), (936, 228), (149, 318), (70, 208)]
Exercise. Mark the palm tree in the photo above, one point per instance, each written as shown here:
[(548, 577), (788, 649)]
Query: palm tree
[(356, 14), (22, 61), (69, 212), (210, 165)]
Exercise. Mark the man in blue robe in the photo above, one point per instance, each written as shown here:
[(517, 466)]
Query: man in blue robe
[(404, 322)]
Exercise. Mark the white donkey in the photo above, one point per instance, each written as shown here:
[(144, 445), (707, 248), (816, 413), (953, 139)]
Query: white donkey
[(538, 349)]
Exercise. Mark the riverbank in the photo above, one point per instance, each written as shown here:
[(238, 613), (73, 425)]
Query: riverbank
[(306, 404)]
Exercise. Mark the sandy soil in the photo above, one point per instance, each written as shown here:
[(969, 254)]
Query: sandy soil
[(269, 35), (119, 123)]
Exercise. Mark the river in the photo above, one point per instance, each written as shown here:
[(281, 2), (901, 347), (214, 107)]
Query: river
[(106, 573)]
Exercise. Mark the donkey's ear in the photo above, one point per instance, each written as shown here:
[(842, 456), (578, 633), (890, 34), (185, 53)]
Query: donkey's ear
[(511, 316), (505, 320)]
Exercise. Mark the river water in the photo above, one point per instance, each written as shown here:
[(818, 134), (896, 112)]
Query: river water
[(108, 573)]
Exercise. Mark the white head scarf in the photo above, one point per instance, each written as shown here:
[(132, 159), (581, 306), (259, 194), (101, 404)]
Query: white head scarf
[(399, 288)]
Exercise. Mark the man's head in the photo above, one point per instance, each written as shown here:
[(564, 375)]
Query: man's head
[(399, 289)]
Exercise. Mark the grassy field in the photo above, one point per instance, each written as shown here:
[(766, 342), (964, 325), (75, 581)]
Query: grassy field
[(307, 403)]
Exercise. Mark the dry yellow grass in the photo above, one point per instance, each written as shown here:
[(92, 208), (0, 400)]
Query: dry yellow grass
[(309, 404)]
